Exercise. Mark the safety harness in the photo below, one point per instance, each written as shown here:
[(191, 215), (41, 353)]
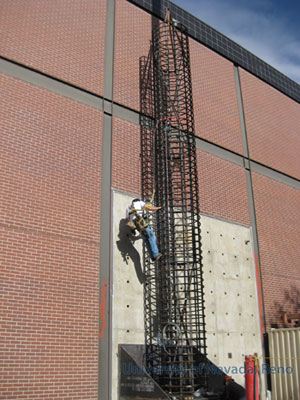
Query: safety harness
[(140, 222)]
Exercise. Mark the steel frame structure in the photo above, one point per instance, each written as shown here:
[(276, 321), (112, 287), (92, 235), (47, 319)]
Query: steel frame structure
[(175, 334)]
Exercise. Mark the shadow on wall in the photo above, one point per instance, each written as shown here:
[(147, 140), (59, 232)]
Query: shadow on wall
[(290, 305), (127, 249)]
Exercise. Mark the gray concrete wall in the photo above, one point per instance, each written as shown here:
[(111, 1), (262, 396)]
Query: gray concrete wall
[(127, 290), (230, 291), (232, 316)]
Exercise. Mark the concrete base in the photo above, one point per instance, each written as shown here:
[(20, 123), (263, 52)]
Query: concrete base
[(135, 383)]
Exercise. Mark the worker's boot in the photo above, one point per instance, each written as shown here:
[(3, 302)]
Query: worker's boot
[(159, 255)]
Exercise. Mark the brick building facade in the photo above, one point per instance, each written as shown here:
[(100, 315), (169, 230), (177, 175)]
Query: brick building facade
[(69, 127)]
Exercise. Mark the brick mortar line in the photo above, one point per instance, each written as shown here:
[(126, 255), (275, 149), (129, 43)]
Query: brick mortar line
[(48, 76), (133, 113), (49, 234), (281, 275)]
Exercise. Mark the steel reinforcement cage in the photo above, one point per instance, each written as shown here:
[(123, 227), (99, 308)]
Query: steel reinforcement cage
[(175, 334)]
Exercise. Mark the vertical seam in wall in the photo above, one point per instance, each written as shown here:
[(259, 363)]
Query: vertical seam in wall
[(241, 111), (248, 173), (105, 259)]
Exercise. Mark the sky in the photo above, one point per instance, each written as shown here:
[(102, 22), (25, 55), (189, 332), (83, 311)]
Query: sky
[(270, 29)]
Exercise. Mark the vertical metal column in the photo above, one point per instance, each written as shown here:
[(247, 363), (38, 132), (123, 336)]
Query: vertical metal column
[(174, 305)]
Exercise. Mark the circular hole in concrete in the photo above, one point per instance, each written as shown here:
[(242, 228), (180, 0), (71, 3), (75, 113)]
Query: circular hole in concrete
[(212, 312), (234, 256), (210, 271), (241, 334), (227, 313), (211, 291), (233, 238), (222, 254), (224, 273), (214, 334), (237, 275), (127, 305), (225, 293), (215, 355), (208, 251), (240, 314), (249, 277), (127, 330), (253, 334), (127, 281), (251, 295), (247, 258), (221, 234), (228, 334), (238, 294), (252, 315), (207, 232)]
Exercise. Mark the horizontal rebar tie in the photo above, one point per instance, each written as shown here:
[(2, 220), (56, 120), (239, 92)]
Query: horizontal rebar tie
[(175, 334)]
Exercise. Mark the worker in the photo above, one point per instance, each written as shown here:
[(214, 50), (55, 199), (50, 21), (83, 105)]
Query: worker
[(137, 219)]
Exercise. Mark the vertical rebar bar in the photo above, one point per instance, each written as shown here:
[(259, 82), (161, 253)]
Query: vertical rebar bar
[(174, 305)]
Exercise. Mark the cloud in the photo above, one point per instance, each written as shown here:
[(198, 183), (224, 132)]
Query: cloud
[(255, 25)]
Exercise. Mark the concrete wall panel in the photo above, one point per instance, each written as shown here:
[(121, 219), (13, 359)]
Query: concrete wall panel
[(230, 290), (232, 318), (127, 290)]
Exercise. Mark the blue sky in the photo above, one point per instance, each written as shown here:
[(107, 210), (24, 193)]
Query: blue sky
[(268, 28)]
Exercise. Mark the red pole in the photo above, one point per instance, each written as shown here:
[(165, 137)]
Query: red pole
[(251, 378)]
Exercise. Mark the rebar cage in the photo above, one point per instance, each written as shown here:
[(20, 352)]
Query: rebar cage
[(175, 335)]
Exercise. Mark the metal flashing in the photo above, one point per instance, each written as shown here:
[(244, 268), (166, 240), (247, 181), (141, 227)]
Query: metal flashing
[(218, 151), (276, 175), (123, 112), (53, 84)]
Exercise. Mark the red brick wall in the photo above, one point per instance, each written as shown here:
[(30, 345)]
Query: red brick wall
[(222, 185), (215, 98), (278, 222), (50, 166), (273, 125), (222, 189), (64, 39), (132, 40), (126, 160)]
